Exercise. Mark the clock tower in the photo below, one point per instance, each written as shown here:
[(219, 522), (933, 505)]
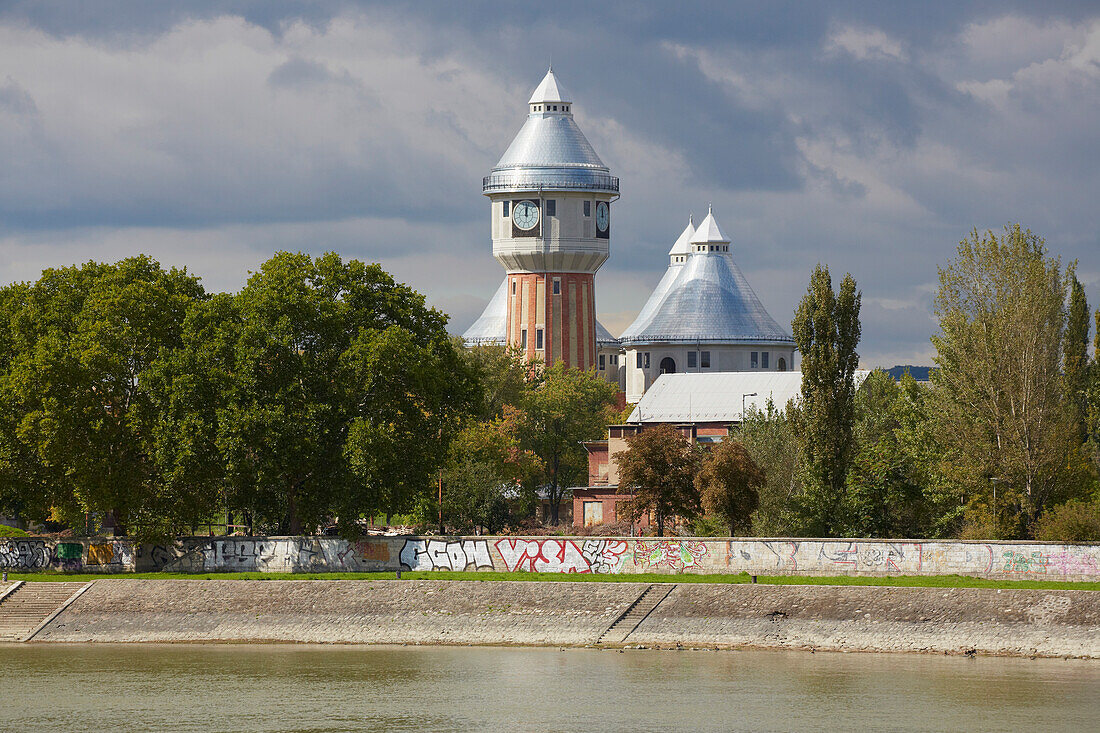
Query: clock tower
[(551, 201)]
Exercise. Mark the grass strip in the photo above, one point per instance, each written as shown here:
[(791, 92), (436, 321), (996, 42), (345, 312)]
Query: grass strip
[(904, 581)]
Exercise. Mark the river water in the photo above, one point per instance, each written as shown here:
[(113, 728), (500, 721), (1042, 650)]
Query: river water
[(346, 688)]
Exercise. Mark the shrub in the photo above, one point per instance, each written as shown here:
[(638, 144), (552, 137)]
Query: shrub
[(6, 531), (1074, 521)]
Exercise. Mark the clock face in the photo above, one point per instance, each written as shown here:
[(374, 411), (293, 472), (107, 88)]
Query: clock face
[(525, 215), (603, 216)]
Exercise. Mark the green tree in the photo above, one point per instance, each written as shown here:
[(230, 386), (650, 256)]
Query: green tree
[(1092, 392), (1002, 416), (80, 419), (324, 388), (503, 375), (658, 468), (728, 483), (770, 438), (566, 408), (827, 331), (474, 496), (918, 441), (1076, 355), (488, 477)]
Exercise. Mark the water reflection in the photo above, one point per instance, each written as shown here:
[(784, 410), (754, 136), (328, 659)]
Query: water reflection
[(335, 688)]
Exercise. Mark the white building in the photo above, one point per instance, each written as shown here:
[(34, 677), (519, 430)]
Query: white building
[(702, 317)]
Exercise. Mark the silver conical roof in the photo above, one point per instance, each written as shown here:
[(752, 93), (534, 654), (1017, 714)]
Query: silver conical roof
[(706, 299), (550, 151), (492, 326), (549, 90)]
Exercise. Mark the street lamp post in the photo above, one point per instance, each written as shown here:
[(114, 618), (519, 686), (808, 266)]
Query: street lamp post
[(747, 394)]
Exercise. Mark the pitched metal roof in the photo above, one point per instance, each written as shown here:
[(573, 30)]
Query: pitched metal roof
[(706, 299), (682, 245), (708, 232), (549, 90), (604, 337), (492, 326), (717, 396), (550, 152)]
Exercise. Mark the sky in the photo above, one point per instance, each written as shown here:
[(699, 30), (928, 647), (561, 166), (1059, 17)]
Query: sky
[(870, 137)]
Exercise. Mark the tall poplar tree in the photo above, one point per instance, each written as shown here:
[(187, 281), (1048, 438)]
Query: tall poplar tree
[(827, 330), (1076, 356)]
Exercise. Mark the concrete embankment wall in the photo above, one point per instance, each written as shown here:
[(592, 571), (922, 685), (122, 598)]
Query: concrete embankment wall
[(1014, 622), (1001, 560)]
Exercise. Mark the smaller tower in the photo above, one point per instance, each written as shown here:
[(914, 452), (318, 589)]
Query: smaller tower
[(702, 316)]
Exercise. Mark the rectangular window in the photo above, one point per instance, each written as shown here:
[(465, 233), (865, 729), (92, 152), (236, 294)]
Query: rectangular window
[(646, 360), (693, 359), (506, 209), (538, 338), (513, 287), (602, 362), (764, 360), (551, 207), (588, 208), (754, 361), (557, 286), (706, 360), (639, 359), (523, 339)]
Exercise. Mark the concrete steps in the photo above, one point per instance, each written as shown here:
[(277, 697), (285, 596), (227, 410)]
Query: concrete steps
[(632, 617), (24, 609)]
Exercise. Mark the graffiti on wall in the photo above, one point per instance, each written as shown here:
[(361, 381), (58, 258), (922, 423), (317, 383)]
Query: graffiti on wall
[(24, 554), (444, 555), (604, 556), (556, 555), (562, 556), (676, 555), (110, 555)]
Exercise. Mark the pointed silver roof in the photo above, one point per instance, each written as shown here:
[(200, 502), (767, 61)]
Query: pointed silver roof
[(550, 152), (492, 326), (708, 232), (706, 299), (549, 90), (682, 245)]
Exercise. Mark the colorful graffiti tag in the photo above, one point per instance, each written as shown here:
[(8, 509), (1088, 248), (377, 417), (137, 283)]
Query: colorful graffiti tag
[(675, 555), (24, 554), (443, 555), (562, 556)]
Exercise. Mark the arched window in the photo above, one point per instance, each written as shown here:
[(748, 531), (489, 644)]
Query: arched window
[(781, 364), (668, 366)]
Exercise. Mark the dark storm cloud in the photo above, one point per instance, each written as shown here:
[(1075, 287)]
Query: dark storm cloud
[(869, 136)]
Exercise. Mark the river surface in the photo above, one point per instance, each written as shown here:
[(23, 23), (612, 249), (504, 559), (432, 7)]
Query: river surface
[(347, 688)]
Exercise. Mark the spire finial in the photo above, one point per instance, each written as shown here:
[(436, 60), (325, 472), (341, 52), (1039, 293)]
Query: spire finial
[(551, 69), (710, 209), (691, 218)]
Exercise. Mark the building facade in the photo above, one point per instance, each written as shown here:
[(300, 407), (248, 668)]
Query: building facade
[(703, 316), (550, 201)]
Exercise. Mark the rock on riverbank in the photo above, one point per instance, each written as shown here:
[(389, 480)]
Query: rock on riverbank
[(956, 620)]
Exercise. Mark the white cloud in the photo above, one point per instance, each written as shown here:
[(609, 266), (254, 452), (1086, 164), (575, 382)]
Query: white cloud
[(864, 44)]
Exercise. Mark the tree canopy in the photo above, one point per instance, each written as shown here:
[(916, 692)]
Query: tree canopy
[(728, 483), (1004, 419), (658, 469)]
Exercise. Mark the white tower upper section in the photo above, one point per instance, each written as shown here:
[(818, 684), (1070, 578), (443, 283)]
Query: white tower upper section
[(551, 193)]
